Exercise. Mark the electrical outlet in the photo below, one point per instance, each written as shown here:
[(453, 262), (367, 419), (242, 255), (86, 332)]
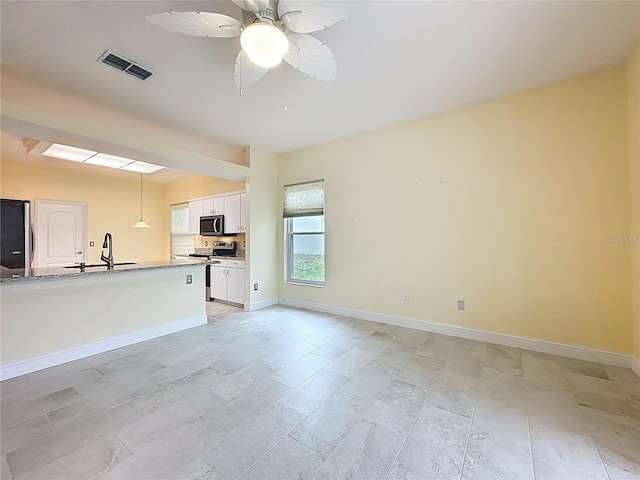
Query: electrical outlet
[(255, 286), (206, 243), (460, 304), (406, 299), (189, 279)]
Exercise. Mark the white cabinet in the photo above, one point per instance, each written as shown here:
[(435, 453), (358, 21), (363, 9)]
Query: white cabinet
[(213, 206), (244, 217), (227, 281), (218, 283), (235, 285), (233, 207), (195, 212), (234, 213)]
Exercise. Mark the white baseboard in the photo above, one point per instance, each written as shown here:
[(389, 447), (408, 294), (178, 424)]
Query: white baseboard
[(28, 365), (543, 346), (635, 365), (262, 304)]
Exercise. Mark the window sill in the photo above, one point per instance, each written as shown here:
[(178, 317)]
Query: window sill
[(304, 284)]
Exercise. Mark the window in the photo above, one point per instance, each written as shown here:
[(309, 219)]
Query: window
[(304, 224), (182, 242)]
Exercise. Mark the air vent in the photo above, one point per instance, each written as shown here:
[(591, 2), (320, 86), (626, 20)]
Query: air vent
[(125, 65)]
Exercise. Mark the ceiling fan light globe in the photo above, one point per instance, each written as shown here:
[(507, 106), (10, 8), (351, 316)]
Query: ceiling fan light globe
[(265, 44)]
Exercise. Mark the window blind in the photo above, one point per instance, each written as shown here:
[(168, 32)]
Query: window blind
[(304, 199), (180, 218), (182, 243)]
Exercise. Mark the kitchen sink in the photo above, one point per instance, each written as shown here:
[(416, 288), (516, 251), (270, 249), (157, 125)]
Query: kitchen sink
[(100, 265)]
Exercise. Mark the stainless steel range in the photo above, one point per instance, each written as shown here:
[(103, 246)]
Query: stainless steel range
[(224, 249), (220, 249)]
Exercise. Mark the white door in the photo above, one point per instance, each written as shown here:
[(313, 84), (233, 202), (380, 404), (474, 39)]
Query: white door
[(61, 233), (207, 207), (235, 283), (218, 205), (218, 278), (195, 212), (244, 215), (232, 214)]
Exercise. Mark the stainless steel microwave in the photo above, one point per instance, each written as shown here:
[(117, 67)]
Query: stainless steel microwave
[(212, 225)]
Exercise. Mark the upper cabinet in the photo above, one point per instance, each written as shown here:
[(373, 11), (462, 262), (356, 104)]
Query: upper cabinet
[(232, 214), (233, 207), (213, 206), (235, 214), (196, 207), (244, 215)]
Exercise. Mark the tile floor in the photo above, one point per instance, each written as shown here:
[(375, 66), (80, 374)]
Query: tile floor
[(283, 393)]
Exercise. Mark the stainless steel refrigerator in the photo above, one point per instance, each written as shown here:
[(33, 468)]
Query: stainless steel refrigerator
[(16, 238)]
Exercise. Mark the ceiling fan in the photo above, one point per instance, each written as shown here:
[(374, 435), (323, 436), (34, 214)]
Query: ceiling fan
[(271, 30)]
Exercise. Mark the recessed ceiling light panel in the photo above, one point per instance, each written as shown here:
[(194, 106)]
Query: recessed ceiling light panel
[(142, 167), (105, 160), (81, 155), (66, 152)]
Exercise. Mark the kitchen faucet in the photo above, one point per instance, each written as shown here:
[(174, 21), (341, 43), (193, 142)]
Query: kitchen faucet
[(108, 243)]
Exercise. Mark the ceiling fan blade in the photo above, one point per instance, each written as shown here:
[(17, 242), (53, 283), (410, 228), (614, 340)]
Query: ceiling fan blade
[(197, 24), (311, 56), (253, 6), (246, 72), (304, 16)]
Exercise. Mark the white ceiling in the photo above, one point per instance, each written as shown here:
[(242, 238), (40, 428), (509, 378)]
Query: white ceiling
[(397, 60)]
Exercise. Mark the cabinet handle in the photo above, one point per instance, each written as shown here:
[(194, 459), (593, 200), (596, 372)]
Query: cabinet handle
[(79, 253)]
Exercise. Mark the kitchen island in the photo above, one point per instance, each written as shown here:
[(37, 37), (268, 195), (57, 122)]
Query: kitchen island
[(56, 315)]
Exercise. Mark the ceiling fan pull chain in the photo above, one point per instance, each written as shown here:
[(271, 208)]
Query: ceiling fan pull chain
[(286, 96), (240, 62)]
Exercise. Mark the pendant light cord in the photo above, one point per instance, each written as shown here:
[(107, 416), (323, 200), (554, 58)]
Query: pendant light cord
[(140, 196)]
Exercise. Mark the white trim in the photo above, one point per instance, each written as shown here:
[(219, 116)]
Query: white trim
[(253, 306), (28, 365), (537, 345), (635, 365)]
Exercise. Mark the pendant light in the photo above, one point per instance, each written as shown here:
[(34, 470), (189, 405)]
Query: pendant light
[(141, 223)]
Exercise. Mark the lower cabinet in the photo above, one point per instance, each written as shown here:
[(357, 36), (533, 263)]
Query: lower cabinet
[(227, 281)]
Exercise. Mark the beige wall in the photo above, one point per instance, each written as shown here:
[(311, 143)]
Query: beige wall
[(113, 206), (193, 187), (263, 234), (633, 112), (74, 311), (504, 204), (199, 186)]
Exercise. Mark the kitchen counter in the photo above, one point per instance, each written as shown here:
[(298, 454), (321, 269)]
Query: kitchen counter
[(57, 314), (61, 272)]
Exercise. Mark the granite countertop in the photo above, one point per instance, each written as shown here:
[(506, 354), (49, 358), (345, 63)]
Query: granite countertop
[(8, 275)]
